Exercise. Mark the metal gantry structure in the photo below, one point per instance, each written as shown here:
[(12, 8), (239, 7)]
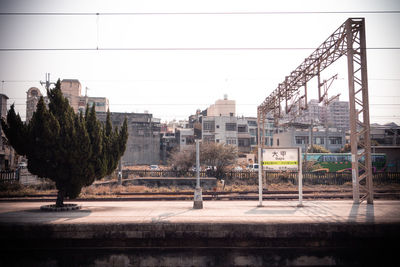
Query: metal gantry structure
[(348, 39)]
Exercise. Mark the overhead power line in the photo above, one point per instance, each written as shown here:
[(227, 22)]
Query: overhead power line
[(198, 13), (173, 49)]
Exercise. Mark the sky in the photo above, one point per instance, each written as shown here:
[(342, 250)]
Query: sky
[(149, 63)]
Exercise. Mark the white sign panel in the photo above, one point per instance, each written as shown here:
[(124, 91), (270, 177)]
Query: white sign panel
[(281, 159)]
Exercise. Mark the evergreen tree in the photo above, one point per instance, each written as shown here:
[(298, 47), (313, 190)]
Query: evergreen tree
[(70, 149)]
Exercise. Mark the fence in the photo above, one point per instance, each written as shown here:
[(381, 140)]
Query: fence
[(163, 173), (251, 177), (9, 176)]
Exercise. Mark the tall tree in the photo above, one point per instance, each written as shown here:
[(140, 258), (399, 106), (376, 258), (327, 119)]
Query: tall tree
[(70, 149)]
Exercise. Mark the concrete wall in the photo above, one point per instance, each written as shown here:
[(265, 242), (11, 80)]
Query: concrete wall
[(143, 145), (206, 183)]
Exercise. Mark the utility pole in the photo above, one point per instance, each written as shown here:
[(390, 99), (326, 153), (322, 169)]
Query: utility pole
[(47, 83)]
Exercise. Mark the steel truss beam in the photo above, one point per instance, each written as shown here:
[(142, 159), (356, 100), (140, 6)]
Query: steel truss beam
[(348, 39)]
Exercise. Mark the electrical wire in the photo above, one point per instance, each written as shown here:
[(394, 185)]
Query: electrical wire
[(197, 13), (172, 49)]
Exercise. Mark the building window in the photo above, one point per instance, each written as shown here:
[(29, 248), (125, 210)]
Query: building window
[(242, 129), (252, 123), (243, 142), (208, 138), (231, 141), (335, 140), (230, 126), (318, 140), (209, 126), (301, 140)]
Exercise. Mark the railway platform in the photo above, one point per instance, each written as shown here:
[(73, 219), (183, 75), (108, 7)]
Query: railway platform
[(223, 233)]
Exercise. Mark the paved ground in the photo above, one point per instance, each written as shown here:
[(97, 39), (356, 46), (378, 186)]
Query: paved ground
[(238, 212)]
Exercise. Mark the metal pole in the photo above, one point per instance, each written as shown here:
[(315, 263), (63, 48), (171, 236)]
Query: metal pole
[(197, 165), (198, 198), (366, 122), (260, 193), (300, 174), (263, 177), (353, 114)]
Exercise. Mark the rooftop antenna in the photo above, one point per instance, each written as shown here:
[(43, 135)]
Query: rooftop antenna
[(47, 82)]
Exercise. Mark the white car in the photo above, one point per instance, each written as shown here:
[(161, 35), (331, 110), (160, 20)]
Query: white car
[(154, 168), (253, 167)]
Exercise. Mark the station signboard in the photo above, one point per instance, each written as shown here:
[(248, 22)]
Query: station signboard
[(281, 159)]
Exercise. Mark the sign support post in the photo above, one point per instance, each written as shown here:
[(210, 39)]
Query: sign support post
[(260, 166)]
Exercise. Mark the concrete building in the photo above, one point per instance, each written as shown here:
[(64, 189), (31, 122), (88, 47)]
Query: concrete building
[(168, 144), (32, 98), (338, 114), (241, 132), (222, 107), (294, 135), (143, 145), (335, 115), (184, 138), (101, 103), (221, 129), (386, 135), (71, 89), (253, 131)]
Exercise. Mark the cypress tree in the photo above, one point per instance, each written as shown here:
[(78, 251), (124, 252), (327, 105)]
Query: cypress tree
[(70, 149)]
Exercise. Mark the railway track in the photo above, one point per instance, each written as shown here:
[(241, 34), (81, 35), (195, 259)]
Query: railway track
[(210, 195)]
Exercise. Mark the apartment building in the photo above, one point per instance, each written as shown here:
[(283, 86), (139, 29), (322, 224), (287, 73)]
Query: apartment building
[(336, 114), (238, 131)]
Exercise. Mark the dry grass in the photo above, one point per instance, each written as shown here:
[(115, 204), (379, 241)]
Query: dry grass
[(101, 191), (18, 190)]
